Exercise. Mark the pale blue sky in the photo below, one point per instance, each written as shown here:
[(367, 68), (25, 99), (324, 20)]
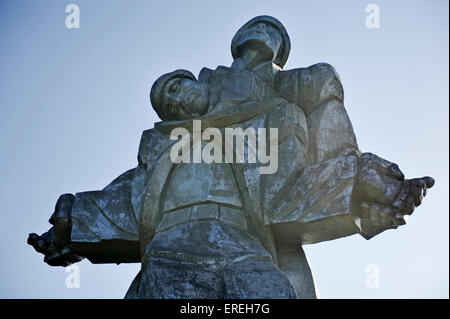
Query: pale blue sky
[(73, 104)]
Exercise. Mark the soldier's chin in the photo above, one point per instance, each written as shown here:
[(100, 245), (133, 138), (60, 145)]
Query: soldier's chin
[(191, 113), (256, 44), (204, 104), (200, 107)]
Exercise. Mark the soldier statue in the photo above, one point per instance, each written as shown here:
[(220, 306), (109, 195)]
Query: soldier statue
[(225, 229)]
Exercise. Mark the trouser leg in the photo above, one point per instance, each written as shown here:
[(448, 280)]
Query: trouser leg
[(173, 278), (256, 278)]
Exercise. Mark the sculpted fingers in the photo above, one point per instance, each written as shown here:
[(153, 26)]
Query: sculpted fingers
[(382, 185), (412, 194), (42, 244), (423, 182), (55, 244), (38, 243), (426, 181), (417, 194), (430, 181)]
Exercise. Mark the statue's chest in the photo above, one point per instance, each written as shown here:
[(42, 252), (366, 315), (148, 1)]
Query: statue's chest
[(287, 154), (234, 87), (191, 183)]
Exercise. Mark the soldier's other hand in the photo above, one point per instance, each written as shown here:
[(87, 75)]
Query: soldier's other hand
[(384, 195), (379, 180), (412, 193)]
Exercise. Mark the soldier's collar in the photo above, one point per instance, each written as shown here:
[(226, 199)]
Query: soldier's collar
[(266, 71)]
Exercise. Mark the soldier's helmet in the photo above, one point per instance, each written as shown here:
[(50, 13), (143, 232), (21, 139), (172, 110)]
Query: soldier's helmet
[(285, 48), (157, 91)]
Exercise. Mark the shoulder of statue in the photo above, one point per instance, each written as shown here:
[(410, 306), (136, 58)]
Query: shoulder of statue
[(309, 87), (204, 74), (152, 144)]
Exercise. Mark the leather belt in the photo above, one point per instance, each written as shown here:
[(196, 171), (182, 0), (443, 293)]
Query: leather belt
[(225, 214)]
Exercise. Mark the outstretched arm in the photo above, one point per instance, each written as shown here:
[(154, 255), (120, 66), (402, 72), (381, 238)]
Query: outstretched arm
[(103, 226), (55, 243), (100, 225), (341, 191)]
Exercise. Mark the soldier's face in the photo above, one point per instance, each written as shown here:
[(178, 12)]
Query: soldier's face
[(184, 98), (261, 37)]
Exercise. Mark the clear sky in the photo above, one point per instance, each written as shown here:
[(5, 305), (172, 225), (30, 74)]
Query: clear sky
[(74, 102)]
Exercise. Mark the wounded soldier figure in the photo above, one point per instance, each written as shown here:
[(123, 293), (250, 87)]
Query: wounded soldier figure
[(234, 228)]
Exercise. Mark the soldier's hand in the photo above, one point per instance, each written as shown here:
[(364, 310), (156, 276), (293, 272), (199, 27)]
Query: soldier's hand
[(412, 193), (379, 180), (61, 220), (55, 244), (384, 196)]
